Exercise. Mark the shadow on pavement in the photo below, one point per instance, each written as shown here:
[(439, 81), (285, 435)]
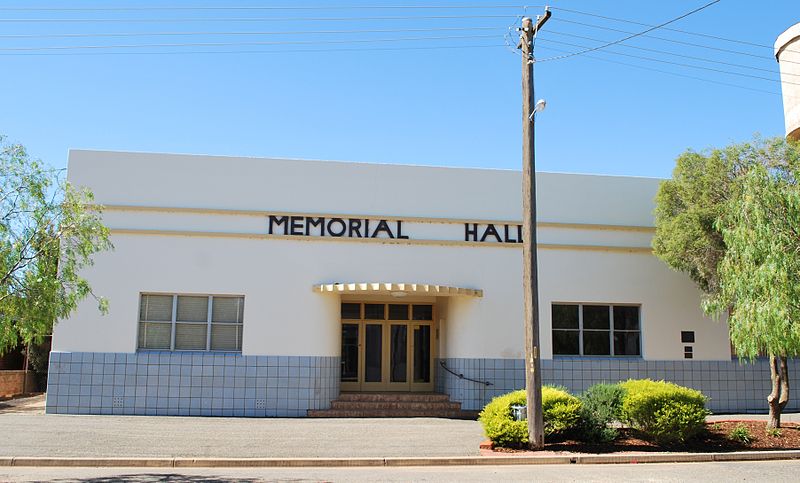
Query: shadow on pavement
[(23, 404), (156, 477)]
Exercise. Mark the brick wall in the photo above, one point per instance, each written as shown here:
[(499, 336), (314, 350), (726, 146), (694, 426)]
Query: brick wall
[(12, 382)]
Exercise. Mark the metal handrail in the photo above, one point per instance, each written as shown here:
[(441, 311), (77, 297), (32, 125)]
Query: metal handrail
[(462, 376)]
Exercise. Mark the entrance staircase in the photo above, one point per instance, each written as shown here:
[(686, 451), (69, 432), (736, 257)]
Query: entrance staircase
[(393, 405)]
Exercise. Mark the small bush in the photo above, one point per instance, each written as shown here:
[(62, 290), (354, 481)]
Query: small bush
[(601, 405), (678, 421), (667, 412), (562, 410), (498, 423), (561, 414), (741, 434), (775, 432)]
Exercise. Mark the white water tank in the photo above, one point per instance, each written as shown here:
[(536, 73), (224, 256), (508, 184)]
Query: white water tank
[(787, 51)]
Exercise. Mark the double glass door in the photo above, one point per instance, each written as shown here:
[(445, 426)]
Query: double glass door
[(387, 347)]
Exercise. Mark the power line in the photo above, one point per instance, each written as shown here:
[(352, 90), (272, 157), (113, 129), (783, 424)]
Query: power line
[(702, 59), (231, 44), (243, 19), (609, 44), (681, 42), (318, 7), (678, 74), (616, 19), (294, 32), (680, 64), (214, 52)]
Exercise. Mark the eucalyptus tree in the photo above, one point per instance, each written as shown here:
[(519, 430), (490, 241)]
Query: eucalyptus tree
[(760, 275), (49, 231), (699, 219)]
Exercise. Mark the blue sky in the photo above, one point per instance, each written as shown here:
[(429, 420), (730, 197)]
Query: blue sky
[(453, 106)]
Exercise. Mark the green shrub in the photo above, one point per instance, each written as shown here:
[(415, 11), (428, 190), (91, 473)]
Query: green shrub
[(601, 405), (498, 423), (562, 410), (561, 414), (678, 421), (667, 412), (775, 432), (741, 434)]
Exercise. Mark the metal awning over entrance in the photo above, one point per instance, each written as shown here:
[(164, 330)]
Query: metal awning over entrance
[(384, 288)]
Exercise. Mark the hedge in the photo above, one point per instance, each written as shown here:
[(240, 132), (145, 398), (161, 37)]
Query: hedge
[(668, 412), (561, 414), (601, 406)]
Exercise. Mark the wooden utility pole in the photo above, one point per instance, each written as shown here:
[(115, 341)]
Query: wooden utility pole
[(530, 283)]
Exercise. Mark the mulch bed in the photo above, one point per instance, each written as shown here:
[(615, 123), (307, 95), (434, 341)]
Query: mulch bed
[(715, 440)]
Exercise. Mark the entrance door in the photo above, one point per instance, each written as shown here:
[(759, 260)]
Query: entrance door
[(387, 347)]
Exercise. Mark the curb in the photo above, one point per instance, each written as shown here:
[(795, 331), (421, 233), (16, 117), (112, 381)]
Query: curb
[(397, 461)]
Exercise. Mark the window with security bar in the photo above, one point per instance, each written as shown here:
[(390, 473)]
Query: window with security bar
[(191, 322)]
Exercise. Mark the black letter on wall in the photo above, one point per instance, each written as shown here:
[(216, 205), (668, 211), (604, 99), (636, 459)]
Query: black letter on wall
[(342, 226), (355, 227), (279, 220), (400, 231), (296, 224), (491, 230), (471, 232), (320, 222), (382, 226)]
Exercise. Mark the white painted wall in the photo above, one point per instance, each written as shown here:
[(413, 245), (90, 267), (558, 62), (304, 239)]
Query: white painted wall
[(192, 181), (282, 314)]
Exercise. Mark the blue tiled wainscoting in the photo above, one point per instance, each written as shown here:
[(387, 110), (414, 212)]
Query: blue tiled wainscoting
[(731, 386), (190, 384)]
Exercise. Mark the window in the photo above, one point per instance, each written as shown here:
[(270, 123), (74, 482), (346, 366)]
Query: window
[(374, 311), (351, 311), (386, 311), (191, 322), (422, 312), (596, 330)]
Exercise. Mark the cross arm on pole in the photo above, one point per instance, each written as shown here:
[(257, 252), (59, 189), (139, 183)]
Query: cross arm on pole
[(529, 29)]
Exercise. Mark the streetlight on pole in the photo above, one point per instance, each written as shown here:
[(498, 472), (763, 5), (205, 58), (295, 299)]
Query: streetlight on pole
[(533, 374)]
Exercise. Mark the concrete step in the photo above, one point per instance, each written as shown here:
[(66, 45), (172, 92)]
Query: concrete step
[(393, 405), (389, 413), (393, 397), (400, 405)]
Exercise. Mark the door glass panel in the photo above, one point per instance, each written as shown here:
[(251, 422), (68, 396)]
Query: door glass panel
[(422, 353), (349, 352), (398, 356), (373, 350), (373, 311)]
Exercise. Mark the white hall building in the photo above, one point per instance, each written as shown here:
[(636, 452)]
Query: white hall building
[(268, 287)]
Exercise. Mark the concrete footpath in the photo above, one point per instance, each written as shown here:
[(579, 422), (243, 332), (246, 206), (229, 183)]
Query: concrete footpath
[(38, 439), (36, 434)]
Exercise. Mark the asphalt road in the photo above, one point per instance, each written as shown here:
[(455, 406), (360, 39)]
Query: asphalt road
[(772, 471)]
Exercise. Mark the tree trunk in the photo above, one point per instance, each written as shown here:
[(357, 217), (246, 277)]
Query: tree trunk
[(779, 397)]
